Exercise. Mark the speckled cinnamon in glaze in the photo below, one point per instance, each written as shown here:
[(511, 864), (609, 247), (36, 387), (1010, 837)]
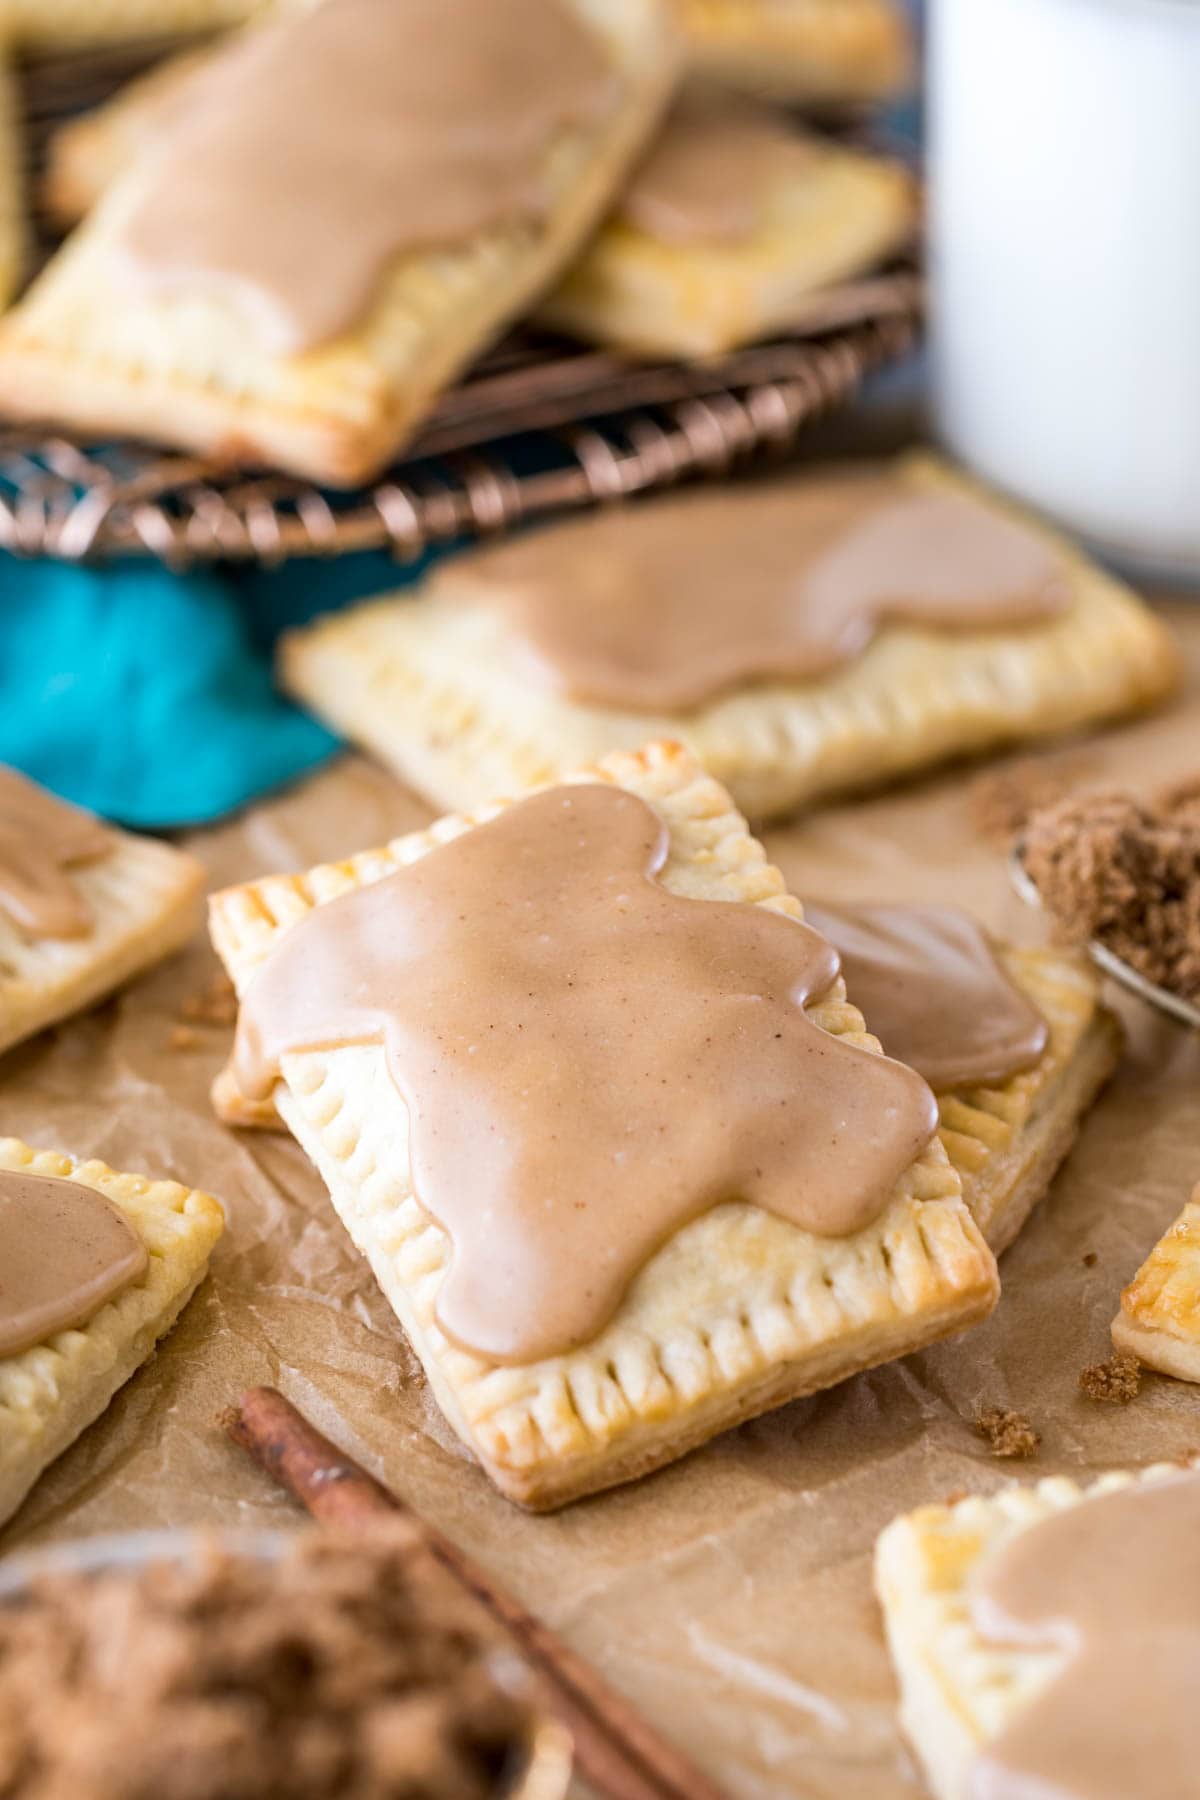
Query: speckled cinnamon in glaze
[(589, 1061), (64, 1251)]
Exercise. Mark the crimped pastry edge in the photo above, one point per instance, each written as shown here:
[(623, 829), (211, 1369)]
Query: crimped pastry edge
[(641, 1394)]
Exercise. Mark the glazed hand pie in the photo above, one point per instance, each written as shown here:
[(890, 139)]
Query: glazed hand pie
[(735, 219), (1159, 1320), (83, 907), (431, 167), (56, 22), (609, 1304), (1046, 1639), (803, 637), (815, 51), (97, 1267), (1014, 1043)]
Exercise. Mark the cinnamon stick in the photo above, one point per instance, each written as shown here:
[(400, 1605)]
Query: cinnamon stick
[(616, 1751)]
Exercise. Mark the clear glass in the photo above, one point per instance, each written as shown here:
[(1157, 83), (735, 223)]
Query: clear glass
[(1064, 156)]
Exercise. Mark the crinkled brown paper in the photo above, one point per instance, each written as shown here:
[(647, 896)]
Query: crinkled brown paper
[(729, 1595)]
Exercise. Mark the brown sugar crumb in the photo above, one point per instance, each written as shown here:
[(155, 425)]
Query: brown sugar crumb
[(1002, 800), (347, 1668), (1007, 1433), (214, 1005), (1118, 1380), (1112, 868)]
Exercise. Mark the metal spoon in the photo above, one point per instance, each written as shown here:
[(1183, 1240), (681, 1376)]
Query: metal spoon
[(1115, 966)]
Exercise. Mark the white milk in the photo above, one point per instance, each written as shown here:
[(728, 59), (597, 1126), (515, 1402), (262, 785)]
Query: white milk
[(1065, 234)]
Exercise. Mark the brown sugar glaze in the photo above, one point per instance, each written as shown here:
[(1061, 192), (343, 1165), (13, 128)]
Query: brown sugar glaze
[(932, 989), (323, 146), (664, 606), (1114, 1584), (41, 840), (64, 1251)]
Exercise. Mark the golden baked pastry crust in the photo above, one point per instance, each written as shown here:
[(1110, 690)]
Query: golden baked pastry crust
[(49, 1394), (430, 689), (737, 1313), (79, 350), (820, 51), (1159, 1320), (1008, 1141), (143, 896), (79, 22), (957, 1691), (639, 294)]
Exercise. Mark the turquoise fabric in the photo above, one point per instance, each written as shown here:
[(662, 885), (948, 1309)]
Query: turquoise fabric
[(147, 696)]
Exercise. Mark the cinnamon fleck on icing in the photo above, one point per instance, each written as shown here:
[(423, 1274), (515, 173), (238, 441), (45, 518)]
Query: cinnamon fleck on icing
[(42, 839), (665, 605), (711, 168), (1111, 1589), (931, 987), (64, 1251), (588, 1060), (321, 147)]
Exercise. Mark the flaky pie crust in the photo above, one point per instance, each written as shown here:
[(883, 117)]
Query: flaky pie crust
[(49, 1394), (957, 1691), (431, 689), (737, 1313), (185, 370)]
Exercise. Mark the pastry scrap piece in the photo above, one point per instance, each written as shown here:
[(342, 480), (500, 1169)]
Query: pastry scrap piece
[(350, 201), (816, 51), (53, 23), (1159, 1320), (97, 1267), (1015, 1043), (804, 636), (83, 907), (1046, 1638), (731, 224), (620, 1307)]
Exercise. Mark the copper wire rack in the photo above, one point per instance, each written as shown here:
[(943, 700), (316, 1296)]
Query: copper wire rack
[(537, 427)]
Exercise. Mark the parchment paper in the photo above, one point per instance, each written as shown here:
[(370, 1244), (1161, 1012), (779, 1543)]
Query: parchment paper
[(729, 1595)]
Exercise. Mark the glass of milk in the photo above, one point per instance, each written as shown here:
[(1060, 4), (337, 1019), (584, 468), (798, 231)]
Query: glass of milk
[(1064, 157)]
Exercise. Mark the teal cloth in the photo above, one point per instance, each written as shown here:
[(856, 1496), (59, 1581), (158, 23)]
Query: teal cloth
[(147, 696)]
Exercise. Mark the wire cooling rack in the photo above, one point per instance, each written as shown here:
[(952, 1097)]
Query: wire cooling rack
[(537, 427)]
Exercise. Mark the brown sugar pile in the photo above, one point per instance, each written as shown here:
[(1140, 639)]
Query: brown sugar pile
[(346, 1669), (1007, 1433), (1001, 801), (1117, 1381), (1110, 867)]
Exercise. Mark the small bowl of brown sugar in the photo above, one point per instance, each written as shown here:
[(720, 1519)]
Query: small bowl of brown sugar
[(1121, 876), (168, 1666)]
